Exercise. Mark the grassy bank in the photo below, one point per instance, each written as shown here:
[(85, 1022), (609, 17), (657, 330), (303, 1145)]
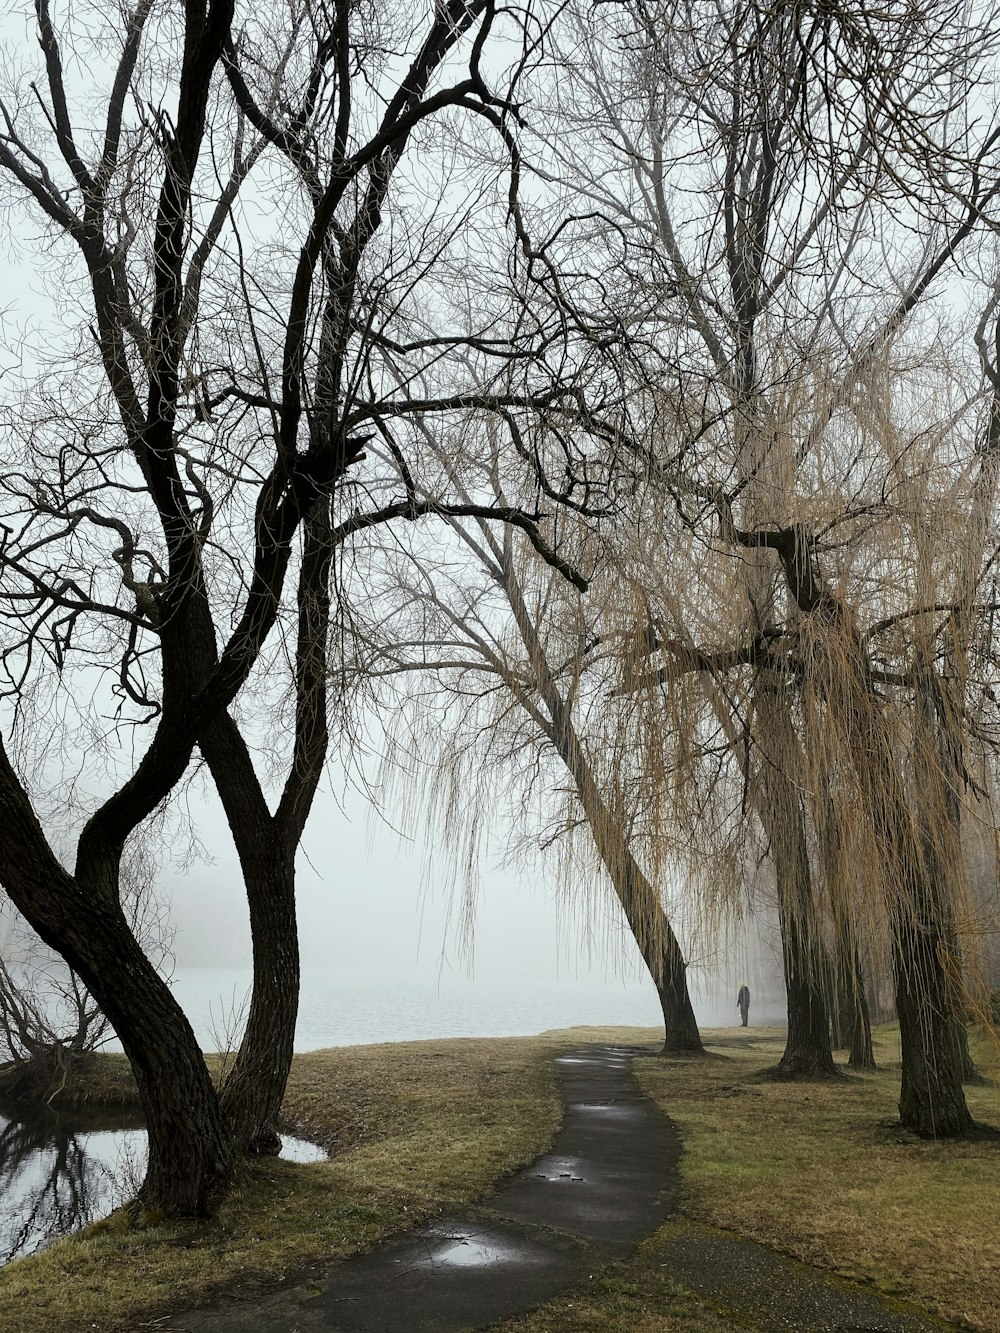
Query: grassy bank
[(814, 1170), (101, 1081), (820, 1171), (417, 1127)]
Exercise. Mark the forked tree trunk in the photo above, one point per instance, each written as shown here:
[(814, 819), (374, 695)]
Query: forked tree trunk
[(932, 1099), (190, 1149)]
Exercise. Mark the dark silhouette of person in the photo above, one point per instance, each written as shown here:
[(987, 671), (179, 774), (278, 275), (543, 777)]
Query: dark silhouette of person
[(743, 1003)]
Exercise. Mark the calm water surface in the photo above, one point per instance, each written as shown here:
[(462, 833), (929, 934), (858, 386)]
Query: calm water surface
[(348, 1009), (60, 1170)]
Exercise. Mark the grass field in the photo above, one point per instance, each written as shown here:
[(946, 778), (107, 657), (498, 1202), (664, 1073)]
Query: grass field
[(820, 1171), (815, 1170), (416, 1128), (423, 1126)]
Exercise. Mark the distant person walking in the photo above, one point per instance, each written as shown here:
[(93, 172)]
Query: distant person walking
[(743, 1002)]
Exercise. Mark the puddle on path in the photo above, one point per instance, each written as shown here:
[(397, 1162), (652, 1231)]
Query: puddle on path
[(556, 1169), (478, 1250), (609, 1110)]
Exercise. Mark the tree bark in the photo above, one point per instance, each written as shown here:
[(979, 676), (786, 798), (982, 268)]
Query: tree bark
[(255, 1086), (808, 1053), (253, 1090), (851, 1019), (266, 845), (679, 1023), (190, 1149), (931, 1098), (862, 1057)]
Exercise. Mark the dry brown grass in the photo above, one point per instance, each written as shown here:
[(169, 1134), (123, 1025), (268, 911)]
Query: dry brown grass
[(417, 1128), (96, 1080), (814, 1170)]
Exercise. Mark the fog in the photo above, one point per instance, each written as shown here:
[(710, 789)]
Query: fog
[(368, 907)]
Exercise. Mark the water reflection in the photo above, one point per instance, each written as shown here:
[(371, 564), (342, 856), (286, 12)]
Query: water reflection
[(61, 1170)]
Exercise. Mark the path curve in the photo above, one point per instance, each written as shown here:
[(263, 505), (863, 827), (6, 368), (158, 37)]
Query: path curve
[(608, 1181)]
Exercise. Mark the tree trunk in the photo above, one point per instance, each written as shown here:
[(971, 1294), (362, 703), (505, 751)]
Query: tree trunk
[(862, 1057), (931, 1098), (640, 902), (266, 844), (190, 1150), (852, 1026), (679, 1022), (807, 1053), (255, 1086)]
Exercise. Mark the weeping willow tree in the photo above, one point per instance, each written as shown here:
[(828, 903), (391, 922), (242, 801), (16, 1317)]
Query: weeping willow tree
[(780, 192), (515, 695), (879, 717)]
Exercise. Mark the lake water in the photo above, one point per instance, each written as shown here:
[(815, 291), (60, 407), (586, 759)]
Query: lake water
[(353, 1008)]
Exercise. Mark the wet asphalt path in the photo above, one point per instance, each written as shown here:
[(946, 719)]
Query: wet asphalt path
[(608, 1182)]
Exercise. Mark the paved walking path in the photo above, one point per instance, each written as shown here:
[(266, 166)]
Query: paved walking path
[(608, 1182)]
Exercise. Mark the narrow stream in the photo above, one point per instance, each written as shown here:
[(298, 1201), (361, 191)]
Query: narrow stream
[(60, 1170)]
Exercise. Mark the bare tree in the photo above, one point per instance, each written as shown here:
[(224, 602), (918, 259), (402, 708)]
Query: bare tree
[(155, 499), (740, 162)]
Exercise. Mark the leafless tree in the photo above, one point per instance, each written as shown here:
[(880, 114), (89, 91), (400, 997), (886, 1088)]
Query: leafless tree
[(213, 405), (505, 646)]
